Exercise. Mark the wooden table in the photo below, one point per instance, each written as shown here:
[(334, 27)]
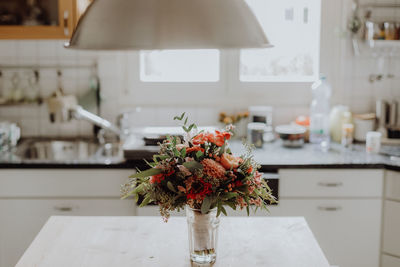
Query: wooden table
[(147, 241)]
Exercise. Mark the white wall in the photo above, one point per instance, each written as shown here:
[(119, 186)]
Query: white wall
[(122, 89)]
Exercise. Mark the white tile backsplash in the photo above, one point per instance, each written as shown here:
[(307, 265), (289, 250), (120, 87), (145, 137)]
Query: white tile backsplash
[(119, 76)]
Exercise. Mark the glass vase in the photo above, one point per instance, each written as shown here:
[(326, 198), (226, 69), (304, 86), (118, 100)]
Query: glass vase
[(203, 235)]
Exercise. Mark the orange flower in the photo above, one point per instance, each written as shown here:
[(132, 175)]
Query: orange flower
[(199, 139), (250, 169), (211, 168), (220, 138), (195, 148), (229, 161)]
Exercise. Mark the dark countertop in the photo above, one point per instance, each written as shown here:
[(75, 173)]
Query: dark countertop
[(272, 157)]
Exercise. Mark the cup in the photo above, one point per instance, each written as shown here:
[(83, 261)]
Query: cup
[(373, 143)]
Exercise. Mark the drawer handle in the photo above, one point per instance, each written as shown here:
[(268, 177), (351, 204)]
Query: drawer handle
[(329, 208), (327, 184), (63, 209)]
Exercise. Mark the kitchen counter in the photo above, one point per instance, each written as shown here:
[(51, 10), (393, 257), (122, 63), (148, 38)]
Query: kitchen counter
[(272, 156), (147, 241)]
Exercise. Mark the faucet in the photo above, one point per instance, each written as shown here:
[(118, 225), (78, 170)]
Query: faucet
[(65, 107)]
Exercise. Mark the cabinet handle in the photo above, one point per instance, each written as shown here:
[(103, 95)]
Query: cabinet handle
[(63, 209), (329, 208), (66, 18), (327, 184)]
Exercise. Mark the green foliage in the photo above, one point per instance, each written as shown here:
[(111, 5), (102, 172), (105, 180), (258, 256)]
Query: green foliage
[(205, 206), (177, 176), (193, 165)]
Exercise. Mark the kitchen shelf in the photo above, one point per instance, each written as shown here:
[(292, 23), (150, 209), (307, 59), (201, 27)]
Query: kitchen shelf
[(22, 103), (56, 67), (376, 48), (380, 5), (394, 44)]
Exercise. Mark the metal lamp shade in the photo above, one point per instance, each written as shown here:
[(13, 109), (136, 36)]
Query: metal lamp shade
[(168, 24)]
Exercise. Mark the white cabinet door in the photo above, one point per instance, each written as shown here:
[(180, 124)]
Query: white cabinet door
[(392, 187), (54, 183), (391, 228), (22, 219), (389, 261), (348, 230), (324, 183)]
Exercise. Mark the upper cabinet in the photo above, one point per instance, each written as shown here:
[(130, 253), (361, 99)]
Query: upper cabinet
[(40, 19)]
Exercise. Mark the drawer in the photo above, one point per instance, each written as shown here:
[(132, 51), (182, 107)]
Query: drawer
[(340, 227), (392, 187), (62, 182), (391, 228), (331, 183), (23, 219), (389, 261)]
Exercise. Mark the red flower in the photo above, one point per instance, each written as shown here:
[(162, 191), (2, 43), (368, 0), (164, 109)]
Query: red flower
[(157, 178), (238, 183), (205, 189)]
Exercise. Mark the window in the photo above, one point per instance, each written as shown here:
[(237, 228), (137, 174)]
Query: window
[(179, 66), (293, 27)]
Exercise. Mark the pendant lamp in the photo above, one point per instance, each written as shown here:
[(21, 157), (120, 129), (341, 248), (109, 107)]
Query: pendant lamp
[(168, 24)]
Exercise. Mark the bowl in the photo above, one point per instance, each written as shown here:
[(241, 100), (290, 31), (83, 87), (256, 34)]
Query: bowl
[(291, 135)]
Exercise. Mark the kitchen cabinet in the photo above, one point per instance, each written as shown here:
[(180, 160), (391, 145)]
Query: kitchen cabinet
[(29, 197), (59, 19), (340, 205), (391, 221), (389, 261)]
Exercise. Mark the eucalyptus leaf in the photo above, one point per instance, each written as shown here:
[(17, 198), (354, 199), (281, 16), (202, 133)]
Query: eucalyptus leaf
[(146, 201), (193, 165), (191, 127), (199, 154), (138, 189), (223, 211), (180, 118), (170, 186), (219, 209), (176, 153), (183, 152), (229, 195), (222, 150), (205, 206), (230, 204)]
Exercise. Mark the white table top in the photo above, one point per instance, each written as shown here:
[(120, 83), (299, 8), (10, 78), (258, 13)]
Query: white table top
[(147, 241)]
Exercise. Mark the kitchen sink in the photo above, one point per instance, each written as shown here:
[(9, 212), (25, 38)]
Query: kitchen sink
[(59, 150)]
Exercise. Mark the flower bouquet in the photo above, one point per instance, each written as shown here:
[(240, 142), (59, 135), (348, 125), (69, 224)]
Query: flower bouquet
[(201, 174)]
